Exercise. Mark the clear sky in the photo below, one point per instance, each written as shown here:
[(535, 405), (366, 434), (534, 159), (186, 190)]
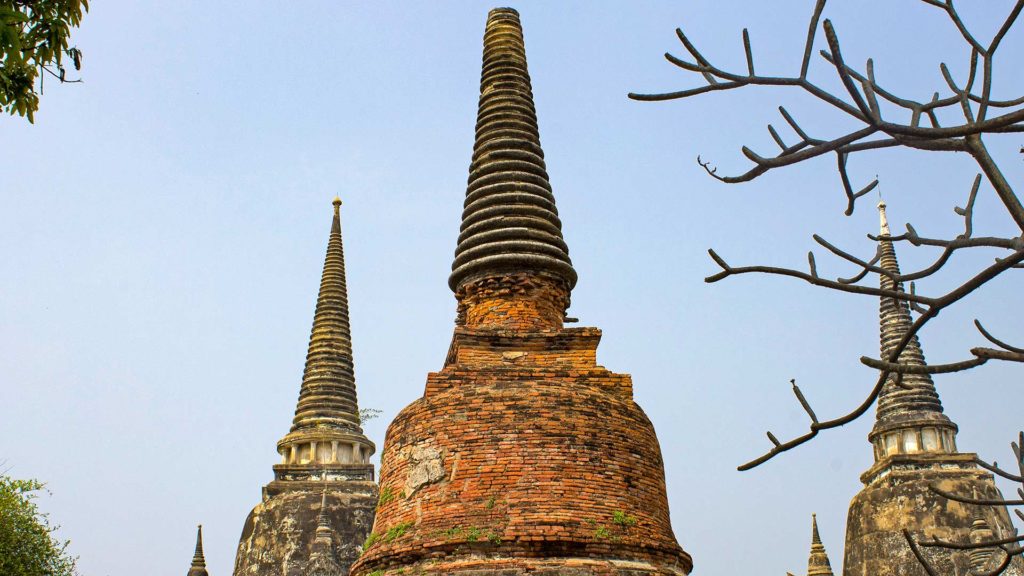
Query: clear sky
[(163, 228)]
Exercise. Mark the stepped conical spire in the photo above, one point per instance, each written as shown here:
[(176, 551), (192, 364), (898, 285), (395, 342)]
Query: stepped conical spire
[(817, 563), (509, 222), (198, 560), (326, 429), (328, 394), (909, 416)]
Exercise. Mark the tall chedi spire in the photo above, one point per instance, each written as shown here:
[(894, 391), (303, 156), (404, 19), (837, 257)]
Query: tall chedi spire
[(324, 457), (198, 567), (909, 416), (510, 243), (523, 455), (915, 449), (325, 434)]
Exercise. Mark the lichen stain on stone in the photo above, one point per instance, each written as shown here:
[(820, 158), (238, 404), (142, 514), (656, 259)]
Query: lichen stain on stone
[(426, 466), (283, 526)]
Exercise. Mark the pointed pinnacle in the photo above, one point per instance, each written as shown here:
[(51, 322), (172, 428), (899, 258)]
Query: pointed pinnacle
[(198, 560), (328, 392), (884, 221), (817, 563)]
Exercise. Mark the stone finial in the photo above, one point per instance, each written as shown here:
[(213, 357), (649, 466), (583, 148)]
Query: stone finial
[(326, 428), (909, 416), (510, 225), (198, 560), (818, 563)]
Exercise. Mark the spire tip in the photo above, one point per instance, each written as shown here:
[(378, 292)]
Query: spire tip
[(883, 219)]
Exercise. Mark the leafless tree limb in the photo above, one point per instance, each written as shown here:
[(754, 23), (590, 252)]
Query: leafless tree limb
[(861, 102), (887, 120)]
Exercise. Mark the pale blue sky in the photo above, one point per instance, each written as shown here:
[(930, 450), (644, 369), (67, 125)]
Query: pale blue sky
[(164, 224)]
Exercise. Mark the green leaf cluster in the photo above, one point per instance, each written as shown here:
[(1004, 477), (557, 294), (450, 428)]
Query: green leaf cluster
[(28, 546), (622, 519), (397, 531), (388, 495), (34, 34)]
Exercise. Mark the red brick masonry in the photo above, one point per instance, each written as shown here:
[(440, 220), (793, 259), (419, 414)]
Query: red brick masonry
[(523, 456)]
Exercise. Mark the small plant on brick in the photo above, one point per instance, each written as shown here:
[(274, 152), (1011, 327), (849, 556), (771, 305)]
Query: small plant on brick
[(493, 537), (601, 533), (490, 503), (397, 531), (624, 520), (453, 532), (388, 495), (372, 539), (376, 573), (472, 534)]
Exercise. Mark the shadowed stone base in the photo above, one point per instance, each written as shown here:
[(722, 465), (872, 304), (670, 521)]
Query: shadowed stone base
[(901, 498), (278, 534)]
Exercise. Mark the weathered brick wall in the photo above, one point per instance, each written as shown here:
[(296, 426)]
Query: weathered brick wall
[(523, 456), (515, 301)]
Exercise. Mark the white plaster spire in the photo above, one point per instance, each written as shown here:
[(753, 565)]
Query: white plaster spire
[(884, 221)]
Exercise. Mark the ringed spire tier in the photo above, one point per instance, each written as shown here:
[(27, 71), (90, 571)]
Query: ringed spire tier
[(909, 416), (510, 225), (325, 432)]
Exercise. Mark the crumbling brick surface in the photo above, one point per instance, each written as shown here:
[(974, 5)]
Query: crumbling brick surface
[(514, 301), (533, 463)]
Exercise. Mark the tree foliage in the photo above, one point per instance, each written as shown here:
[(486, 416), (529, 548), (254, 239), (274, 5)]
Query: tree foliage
[(34, 38), (28, 546)]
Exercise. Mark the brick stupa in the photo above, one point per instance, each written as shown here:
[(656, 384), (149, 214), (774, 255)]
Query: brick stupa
[(915, 448), (523, 455), (320, 504)]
